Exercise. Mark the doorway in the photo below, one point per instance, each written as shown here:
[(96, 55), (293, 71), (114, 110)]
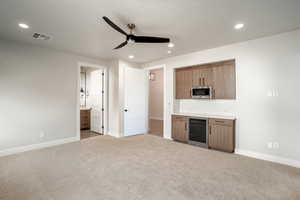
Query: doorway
[(92, 101), (156, 102)]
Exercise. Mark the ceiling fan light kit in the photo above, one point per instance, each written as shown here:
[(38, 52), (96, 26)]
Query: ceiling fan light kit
[(131, 38)]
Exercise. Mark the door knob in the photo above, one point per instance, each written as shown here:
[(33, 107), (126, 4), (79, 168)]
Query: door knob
[(125, 110)]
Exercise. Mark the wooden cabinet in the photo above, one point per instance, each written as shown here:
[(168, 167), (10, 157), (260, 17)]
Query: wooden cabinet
[(224, 82), (85, 119), (220, 76), (202, 76), (221, 134), (180, 128), (184, 81)]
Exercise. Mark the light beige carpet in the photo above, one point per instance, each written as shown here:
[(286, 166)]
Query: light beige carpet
[(142, 168), (87, 134)]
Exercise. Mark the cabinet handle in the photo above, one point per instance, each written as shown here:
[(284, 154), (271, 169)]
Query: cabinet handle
[(209, 130), (219, 121), (185, 126)]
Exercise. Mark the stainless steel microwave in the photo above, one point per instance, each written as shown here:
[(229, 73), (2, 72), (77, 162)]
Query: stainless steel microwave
[(201, 93)]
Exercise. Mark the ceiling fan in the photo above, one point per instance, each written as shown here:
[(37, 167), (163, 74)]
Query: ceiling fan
[(133, 38)]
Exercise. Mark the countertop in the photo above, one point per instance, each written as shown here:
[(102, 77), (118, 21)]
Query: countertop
[(85, 108), (207, 115)]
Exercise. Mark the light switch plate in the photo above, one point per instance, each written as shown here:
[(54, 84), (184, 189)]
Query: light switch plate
[(270, 145)]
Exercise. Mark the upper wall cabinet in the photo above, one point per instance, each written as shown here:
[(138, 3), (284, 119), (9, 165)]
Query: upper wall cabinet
[(224, 83), (202, 76), (220, 76), (184, 82)]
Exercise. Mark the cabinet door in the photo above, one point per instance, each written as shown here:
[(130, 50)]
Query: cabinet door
[(221, 137), (85, 119), (224, 83), (207, 76), (196, 77), (202, 76), (179, 129), (184, 83)]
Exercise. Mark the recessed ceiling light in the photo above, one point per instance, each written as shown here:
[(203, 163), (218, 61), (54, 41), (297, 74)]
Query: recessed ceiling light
[(131, 56), (24, 26), (169, 52), (239, 26), (171, 45)]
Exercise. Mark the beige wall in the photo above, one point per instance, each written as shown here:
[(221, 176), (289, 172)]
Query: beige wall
[(156, 95), (39, 94)]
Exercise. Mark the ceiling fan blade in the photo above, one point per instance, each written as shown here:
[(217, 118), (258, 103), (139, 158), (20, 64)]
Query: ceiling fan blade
[(146, 39), (121, 45), (114, 26)]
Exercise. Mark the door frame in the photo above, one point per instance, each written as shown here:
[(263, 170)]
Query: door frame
[(105, 96), (165, 103)]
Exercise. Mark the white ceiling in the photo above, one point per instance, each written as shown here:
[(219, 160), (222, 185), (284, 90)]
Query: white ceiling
[(77, 25)]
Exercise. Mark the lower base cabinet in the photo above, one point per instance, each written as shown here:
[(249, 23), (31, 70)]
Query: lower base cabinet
[(221, 132), (221, 135), (180, 128)]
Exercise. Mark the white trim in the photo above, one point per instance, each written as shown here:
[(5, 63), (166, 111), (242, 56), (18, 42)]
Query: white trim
[(37, 146), (105, 120), (267, 157), (168, 138), (155, 67), (136, 132), (118, 135), (165, 115), (105, 86)]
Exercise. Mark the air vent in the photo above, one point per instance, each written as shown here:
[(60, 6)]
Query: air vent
[(40, 36)]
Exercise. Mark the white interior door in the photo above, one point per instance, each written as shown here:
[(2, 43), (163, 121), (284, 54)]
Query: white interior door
[(96, 101), (135, 109)]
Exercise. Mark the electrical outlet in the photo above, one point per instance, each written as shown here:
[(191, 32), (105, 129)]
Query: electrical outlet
[(275, 145)]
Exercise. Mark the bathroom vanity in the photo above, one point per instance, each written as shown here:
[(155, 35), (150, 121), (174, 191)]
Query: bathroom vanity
[(85, 118)]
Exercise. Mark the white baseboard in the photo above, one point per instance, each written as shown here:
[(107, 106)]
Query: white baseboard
[(167, 138), (37, 146), (137, 132), (267, 157), (113, 135)]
